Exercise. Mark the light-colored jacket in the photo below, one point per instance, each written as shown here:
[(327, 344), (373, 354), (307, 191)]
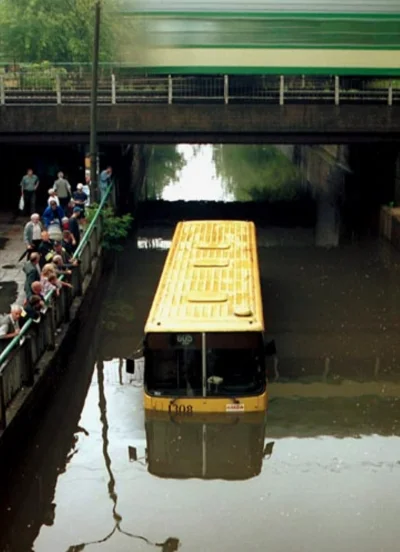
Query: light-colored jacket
[(28, 232), (62, 188)]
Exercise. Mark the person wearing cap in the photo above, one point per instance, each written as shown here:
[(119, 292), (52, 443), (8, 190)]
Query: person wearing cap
[(63, 189), (80, 198), (52, 196), (74, 224)]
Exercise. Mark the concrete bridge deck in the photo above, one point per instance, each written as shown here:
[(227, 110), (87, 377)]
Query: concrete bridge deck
[(202, 123)]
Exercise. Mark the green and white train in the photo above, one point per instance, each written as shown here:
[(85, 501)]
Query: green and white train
[(341, 37)]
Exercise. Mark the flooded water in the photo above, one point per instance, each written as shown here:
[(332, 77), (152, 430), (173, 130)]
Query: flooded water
[(320, 472)]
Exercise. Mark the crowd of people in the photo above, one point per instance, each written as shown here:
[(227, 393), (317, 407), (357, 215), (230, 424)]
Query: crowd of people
[(50, 242)]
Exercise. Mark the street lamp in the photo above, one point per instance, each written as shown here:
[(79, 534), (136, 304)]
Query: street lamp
[(93, 103)]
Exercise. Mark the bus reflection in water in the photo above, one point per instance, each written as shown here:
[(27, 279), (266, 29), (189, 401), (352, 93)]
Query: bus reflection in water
[(211, 446), (204, 338)]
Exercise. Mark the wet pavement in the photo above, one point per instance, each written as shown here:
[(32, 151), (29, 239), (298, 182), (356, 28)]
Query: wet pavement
[(12, 278), (321, 472)]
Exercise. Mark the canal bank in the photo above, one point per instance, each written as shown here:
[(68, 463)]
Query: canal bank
[(32, 360)]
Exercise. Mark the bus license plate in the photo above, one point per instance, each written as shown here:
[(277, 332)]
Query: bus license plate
[(235, 407)]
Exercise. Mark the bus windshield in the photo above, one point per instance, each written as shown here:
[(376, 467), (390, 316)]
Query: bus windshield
[(226, 371)]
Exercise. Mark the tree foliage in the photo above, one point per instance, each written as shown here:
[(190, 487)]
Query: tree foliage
[(115, 228), (164, 166), (257, 173), (53, 30)]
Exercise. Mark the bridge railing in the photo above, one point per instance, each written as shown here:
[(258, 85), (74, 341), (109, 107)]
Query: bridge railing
[(118, 87), (19, 359)]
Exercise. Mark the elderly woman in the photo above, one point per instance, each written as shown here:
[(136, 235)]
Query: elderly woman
[(50, 281), (52, 196)]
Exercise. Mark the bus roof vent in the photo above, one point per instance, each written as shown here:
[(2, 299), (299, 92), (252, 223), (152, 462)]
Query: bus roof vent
[(208, 245), (207, 297), (243, 310), (217, 263)]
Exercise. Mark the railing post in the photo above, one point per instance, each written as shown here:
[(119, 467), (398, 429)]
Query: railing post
[(58, 89), (281, 90), (226, 89), (337, 90), (89, 246), (169, 89), (51, 328), (3, 413), (390, 93), (113, 90), (2, 91), (28, 369)]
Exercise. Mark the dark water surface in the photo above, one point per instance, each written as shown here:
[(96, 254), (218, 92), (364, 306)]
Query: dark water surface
[(321, 473)]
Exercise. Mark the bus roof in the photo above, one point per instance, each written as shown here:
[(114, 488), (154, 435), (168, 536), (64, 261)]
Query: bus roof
[(210, 281)]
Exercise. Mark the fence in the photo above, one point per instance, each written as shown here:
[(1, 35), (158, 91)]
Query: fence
[(119, 87), (19, 359)]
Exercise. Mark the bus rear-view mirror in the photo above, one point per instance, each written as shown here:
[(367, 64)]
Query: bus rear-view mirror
[(270, 348)]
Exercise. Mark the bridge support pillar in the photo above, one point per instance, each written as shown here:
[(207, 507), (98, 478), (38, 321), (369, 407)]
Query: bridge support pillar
[(327, 228)]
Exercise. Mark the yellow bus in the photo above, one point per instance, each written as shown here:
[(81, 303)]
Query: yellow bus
[(204, 346)]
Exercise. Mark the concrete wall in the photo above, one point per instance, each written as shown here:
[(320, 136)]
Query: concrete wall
[(203, 123), (30, 400)]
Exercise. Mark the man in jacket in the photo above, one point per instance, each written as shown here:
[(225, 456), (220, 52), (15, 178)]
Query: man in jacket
[(63, 190), (29, 184), (74, 225), (53, 214), (9, 324), (32, 310), (32, 271), (46, 249), (32, 233)]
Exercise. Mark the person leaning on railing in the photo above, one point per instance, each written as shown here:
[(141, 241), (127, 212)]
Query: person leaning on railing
[(9, 324), (68, 242), (32, 310), (50, 282)]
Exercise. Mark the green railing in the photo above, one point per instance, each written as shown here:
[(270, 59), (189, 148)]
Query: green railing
[(19, 359)]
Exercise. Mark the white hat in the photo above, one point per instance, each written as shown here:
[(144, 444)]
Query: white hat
[(79, 187)]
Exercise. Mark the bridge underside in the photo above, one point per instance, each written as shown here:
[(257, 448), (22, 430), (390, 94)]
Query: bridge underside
[(314, 124)]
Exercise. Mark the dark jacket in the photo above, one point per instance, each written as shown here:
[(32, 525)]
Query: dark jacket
[(29, 313), (32, 275), (69, 247), (74, 229), (51, 215), (46, 250)]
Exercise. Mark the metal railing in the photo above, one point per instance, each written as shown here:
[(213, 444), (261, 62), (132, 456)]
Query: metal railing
[(19, 358), (69, 87)]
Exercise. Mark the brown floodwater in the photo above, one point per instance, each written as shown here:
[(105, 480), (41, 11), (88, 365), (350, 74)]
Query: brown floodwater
[(321, 472)]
